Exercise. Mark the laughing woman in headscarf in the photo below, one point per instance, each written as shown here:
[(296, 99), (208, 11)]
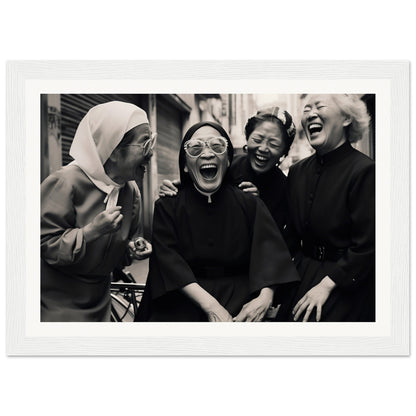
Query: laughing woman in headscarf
[(90, 210), (217, 254)]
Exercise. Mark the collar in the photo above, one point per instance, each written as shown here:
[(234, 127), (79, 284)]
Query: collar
[(335, 155)]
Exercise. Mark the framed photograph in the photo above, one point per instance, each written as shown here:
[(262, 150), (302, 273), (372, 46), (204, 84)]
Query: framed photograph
[(46, 102)]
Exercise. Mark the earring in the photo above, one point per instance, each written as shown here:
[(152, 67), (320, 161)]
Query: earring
[(245, 148)]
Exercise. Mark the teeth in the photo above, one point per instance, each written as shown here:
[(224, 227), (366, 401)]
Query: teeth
[(314, 127), (262, 158), (210, 166)]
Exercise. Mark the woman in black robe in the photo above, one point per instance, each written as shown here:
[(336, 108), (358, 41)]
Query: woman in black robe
[(269, 134), (332, 206), (217, 253)]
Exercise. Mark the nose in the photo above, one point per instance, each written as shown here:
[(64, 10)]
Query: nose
[(207, 152), (263, 146), (312, 114)]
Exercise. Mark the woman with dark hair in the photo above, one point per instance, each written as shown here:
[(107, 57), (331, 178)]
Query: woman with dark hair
[(217, 253), (332, 206), (269, 134), (90, 210)]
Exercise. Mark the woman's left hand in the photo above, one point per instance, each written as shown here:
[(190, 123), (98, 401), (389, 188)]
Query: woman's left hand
[(140, 248), (255, 310), (315, 297)]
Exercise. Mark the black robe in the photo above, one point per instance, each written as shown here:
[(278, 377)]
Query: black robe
[(332, 204), (272, 187), (230, 246)]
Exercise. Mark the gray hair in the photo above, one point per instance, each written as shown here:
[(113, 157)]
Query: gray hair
[(351, 105)]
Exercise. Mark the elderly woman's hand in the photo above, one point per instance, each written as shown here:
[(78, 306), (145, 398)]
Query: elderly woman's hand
[(140, 248), (169, 188), (105, 222), (255, 310), (218, 314), (249, 187), (315, 297)]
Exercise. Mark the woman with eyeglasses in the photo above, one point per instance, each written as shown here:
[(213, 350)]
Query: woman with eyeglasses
[(217, 253), (332, 204), (90, 210), (269, 134)]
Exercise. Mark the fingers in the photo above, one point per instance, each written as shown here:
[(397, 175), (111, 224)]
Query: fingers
[(309, 310), (117, 222), (298, 305), (318, 313), (240, 317), (113, 210), (249, 187), (299, 308), (167, 185)]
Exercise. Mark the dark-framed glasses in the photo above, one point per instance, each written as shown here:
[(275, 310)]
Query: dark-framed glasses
[(195, 147)]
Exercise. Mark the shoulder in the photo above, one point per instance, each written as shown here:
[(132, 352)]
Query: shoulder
[(301, 164), (245, 199), (168, 202), (66, 177), (361, 161)]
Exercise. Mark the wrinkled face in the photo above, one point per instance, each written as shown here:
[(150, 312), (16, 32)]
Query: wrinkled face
[(324, 123), (208, 169), (129, 160), (265, 146)]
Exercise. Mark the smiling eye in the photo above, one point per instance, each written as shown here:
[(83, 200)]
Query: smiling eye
[(274, 145), (257, 139)]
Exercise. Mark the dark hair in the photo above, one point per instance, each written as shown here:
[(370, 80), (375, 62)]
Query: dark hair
[(273, 115), (182, 155)]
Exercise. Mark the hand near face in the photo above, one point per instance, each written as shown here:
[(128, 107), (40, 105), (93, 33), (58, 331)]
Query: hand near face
[(255, 310), (314, 298)]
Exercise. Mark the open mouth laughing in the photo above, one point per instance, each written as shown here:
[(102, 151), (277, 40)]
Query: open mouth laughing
[(314, 129), (208, 171), (260, 160)]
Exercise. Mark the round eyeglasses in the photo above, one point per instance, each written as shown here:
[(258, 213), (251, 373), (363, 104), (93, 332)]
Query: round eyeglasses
[(195, 147), (147, 146)]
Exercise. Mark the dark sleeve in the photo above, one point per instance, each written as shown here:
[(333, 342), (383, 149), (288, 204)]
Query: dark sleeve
[(168, 269), (358, 262), (61, 242), (270, 260), (290, 234)]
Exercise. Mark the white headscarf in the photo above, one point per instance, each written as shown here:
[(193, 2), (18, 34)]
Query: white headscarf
[(98, 134)]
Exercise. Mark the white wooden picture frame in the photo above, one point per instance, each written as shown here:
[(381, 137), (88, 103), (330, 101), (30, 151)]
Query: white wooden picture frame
[(389, 335)]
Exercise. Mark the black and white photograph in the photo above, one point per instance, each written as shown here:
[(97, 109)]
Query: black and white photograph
[(208, 207), (207, 210)]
